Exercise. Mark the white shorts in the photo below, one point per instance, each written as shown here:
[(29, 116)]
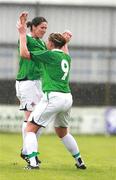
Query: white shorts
[(29, 93), (54, 106)]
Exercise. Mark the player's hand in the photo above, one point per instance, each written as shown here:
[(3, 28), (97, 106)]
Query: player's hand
[(23, 18), (67, 35), (21, 28), (21, 23)]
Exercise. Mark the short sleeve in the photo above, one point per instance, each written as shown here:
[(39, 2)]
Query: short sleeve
[(39, 55)]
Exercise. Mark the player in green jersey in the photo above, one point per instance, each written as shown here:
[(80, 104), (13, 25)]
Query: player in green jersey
[(57, 100), (28, 85)]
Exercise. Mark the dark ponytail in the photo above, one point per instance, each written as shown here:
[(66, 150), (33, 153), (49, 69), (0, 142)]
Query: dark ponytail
[(29, 24)]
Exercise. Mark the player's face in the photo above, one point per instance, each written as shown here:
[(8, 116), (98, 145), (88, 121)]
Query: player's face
[(40, 30)]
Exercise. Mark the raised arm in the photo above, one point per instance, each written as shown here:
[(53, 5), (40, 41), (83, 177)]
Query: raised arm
[(21, 26), (68, 35)]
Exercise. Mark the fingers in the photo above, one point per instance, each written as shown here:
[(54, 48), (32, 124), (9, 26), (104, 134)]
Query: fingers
[(23, 17), (18, 24), (21, 28), (25, 14), (67, 35)]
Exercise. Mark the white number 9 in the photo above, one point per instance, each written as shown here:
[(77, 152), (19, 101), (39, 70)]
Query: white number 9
[(65, 68)]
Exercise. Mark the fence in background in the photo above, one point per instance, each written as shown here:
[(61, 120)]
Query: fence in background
[(83, 120)]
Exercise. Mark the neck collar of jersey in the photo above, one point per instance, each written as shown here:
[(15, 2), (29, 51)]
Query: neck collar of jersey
[(29, 35), (57, 50), (33, 37)]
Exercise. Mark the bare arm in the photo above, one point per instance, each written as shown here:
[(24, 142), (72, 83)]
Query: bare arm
[(21, 26), (65, 48), (23, 46), (67, 35)]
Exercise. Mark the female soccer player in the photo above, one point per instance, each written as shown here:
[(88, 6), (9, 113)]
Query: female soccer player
[(57, 100), (28, 84)]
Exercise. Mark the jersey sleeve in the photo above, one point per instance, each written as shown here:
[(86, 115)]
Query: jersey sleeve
[(39, 55)]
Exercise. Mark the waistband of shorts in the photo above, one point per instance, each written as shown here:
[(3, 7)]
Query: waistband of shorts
[(24, 79), (47, 92), (56, 92)]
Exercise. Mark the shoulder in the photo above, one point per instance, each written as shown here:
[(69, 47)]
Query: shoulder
[(29, 38)]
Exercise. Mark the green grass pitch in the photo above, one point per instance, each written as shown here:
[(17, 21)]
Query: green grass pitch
[(99, 153)]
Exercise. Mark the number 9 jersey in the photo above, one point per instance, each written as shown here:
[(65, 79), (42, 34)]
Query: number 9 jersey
[(56, 69)]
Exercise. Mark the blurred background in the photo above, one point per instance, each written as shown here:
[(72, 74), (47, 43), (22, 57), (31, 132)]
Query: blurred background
[(93, 52)]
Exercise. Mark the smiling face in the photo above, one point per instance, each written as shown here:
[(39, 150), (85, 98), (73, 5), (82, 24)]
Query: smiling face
[(40, 30)]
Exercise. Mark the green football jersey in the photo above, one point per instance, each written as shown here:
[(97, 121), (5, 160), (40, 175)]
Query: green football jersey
[(27, 69), (56, 68)]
